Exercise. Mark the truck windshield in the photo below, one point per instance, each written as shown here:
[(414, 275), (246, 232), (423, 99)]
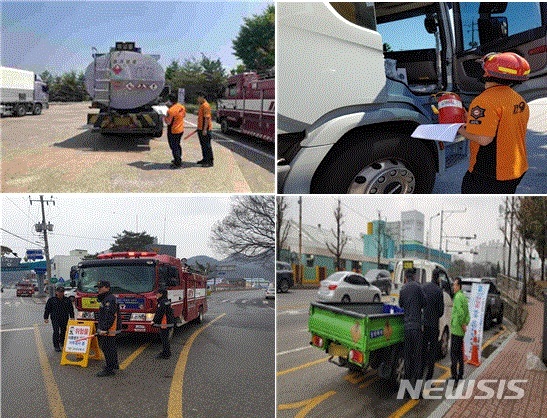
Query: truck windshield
[(123, 278)]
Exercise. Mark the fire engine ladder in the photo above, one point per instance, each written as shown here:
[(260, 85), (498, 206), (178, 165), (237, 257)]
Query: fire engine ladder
[(101, 82)]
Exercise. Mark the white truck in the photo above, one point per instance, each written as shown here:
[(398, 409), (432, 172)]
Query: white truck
[(356, 79), (424, 274), (22, 92)]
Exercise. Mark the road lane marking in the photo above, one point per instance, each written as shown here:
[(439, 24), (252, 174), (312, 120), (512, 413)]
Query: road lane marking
[(307, 404), (369, 382), (17, 329), (174, 406), (302, 366), (294, 350), (53, 395), (133, 356)]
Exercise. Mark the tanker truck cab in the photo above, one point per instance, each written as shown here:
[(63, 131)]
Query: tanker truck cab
[(124, 85), (356, 79), (424, 274)]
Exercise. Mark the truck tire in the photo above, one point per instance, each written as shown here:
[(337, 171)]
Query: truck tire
[(443, 343), (284, 286), (37, 109), (158, 133), (346, 299), (488, 319), (393, 164), (199, 319), (224, 127), (499, 318), (20, 110), (398, 365)]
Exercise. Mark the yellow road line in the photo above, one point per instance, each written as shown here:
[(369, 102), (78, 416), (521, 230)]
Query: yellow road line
[(53, 396), (303, 366), (307, 404), (369, 382), (404, 409), (494, 337), (124, 364), (174, 407)]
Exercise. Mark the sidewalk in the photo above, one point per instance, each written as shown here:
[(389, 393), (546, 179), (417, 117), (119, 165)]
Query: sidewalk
[(509, 362)]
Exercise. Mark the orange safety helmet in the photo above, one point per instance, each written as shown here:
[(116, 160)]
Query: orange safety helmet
[(505, 66)]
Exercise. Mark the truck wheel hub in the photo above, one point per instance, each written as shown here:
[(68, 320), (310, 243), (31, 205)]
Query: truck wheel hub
[(383, 177)]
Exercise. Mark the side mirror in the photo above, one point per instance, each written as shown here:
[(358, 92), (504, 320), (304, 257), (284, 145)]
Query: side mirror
[(431, 24), (492, 29)]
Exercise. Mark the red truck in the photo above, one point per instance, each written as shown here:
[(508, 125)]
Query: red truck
[(134, 278), (248, 106), (24, 289)]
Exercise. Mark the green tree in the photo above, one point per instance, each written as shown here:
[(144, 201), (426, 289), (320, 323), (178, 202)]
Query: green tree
[(131, 241), (255, 43)]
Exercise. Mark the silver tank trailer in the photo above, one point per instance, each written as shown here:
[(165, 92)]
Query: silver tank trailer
[(135, 79)]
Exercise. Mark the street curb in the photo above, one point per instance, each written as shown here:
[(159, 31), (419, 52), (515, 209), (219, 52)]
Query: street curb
[(445, 406)]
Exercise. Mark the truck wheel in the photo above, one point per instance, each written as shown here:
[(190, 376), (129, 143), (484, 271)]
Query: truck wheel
[(200, 316), (398, 373), (37, 109), (20, 110), (395, 164), (158, 133), (346, 299), (488, 319), (443, 344), (224, 128), (284, 286)]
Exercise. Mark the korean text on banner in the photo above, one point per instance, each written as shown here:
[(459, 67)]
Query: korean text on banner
[(473, 336)]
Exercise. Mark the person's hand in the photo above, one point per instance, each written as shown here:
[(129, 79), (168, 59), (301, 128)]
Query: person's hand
[(461, 130), (204, 132), (101, 332), (464, 327), (45, 321)]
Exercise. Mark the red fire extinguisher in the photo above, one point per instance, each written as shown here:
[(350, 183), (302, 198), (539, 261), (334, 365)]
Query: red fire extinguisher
[(450, 108)]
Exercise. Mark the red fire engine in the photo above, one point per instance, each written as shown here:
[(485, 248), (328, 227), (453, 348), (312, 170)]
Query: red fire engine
[(248, 106), (134, 278)]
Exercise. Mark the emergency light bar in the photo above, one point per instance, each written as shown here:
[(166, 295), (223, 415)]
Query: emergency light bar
[(126, 46), (127, 254)]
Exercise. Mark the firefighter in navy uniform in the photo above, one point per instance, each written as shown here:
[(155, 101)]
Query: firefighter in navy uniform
[(496, 127), (165, 320), (109, 325)]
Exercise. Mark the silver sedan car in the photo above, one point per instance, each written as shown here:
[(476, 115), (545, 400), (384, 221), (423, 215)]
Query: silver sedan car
[(347, 286)]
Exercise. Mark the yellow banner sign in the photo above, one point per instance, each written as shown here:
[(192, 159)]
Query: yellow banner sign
[(90, 303)]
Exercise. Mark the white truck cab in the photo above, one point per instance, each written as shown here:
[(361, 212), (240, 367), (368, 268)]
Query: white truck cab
[(355, 79)]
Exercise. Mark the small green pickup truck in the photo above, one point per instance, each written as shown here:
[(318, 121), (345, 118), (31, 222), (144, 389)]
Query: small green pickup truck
[(361, 335)]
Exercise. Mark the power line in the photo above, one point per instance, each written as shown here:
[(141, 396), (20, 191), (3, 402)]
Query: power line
[(24, 239), (26, 213)]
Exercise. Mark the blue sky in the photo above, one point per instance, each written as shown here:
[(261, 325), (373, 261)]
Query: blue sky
[(58, 36)]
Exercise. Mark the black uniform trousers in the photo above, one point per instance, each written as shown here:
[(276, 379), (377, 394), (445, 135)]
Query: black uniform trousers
[(206, 149), (174, 144), (413, 355), (474, 183), (110, 351), (164, 335), (59, 332), (456, 356), (430, 350)]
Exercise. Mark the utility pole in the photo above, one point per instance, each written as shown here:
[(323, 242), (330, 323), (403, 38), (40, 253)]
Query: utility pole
[(44, 228), (379, 248), (299, 240)]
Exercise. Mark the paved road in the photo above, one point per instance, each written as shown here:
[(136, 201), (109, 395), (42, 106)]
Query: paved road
[(56, 152), (223, 367), (309, 386), (535, 180)]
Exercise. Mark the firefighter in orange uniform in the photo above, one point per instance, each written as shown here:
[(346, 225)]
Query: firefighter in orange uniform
[(205, 125), (496, 127), (175, 129), (165, 320), (109, 325)]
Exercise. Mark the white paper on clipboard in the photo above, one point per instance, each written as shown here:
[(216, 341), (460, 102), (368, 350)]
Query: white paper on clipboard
[(445, 132), (161, 110)]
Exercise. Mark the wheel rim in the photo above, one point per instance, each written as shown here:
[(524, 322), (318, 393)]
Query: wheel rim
[(384, 177)]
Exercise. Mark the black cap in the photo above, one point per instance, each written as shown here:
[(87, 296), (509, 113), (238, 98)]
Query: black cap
[(60, 289), (102, 283)]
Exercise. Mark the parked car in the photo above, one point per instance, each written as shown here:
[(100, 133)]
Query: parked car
[(347, 286), (270, 291), (379, 278), (494, 302), (284, 276), (70, 292)]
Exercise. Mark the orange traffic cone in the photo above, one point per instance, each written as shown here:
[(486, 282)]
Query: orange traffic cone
[(474, 361)]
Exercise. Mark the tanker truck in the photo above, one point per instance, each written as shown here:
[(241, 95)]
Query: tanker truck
[(124, 84)]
